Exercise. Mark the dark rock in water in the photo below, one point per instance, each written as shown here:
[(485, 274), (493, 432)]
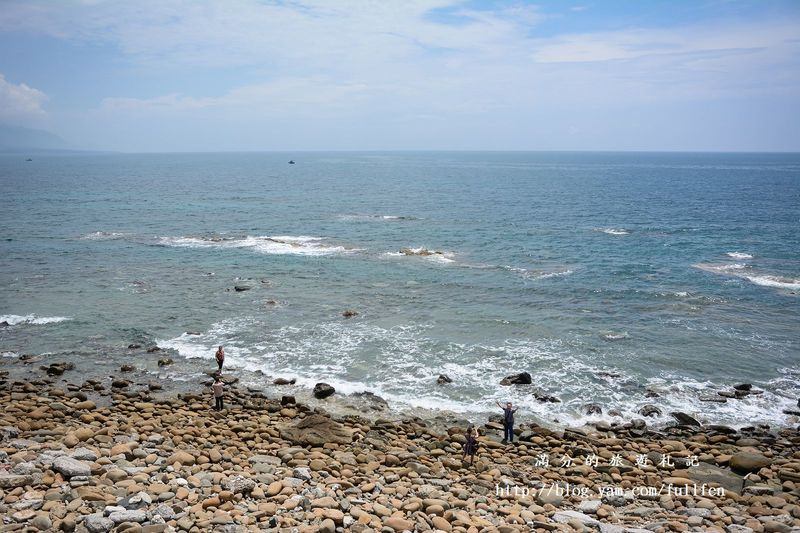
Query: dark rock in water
[(120, 383), (685, 419), (798, 402), (153, 349), (241, 288), (126, 368), (721, 429), (615, 412), (376, 402), (271, 302), (650, 410), (727, 394), (743, 387), (523, 378), (545, 398), (193, 333), (791, 412), (442, 379), (287, 400), (714, 399), (317, 430), (349, 313), (745, 462), (284, 381), (134, 346), (608, 374), (4, 324), (323, 390), (165, 362), (56, 369), (592, 409), (154, 385)]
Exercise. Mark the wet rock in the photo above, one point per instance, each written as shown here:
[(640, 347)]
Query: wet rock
[(523, 378), (373, 401), (120, 383), (685, 419), (323, 390), (288, 400), (241, 288), (284, 381), (743, 387), (650, 410), (443, 379), (592, 409), (165, 362), (56, 369), (316, 430), (126, 368), (349, 313), (545, 398), (134, 346), (153, 349)]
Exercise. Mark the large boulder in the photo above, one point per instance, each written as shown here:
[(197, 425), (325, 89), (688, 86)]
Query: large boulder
[(649, 410), (523, 378), (317, 430), (69, 467), (684, 419), (707, 473), (323, 390), (744, 462)]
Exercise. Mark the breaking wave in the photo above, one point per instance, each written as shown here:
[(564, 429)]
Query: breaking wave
[(613, 231), (14, 320), (275, 245)]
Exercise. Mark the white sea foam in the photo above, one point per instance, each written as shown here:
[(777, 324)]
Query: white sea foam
[(11, 355), (401, 363), (739, 255), (614, 231), (367, 218), (277, 245), (775, 281), (103, 236), (14, 320), (742, 271)]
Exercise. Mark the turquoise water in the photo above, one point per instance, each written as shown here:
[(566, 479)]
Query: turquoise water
[(676, 272)]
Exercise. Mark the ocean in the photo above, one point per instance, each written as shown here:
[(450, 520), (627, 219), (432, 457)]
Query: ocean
[(620, 279)]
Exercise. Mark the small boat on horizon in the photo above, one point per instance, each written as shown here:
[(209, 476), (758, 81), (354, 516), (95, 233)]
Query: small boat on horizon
[(29, 159)]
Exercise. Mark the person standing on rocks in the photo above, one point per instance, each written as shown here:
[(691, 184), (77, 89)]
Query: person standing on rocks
[(471, 446), (220, 356), (508, 421), (217, 389)]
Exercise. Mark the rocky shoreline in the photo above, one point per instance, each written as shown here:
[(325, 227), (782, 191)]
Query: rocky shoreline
[(113, 455)]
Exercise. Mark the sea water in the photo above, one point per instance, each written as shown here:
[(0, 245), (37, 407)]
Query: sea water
[(616, 279)]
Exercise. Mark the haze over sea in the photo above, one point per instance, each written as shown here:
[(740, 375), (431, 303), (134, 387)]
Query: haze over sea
[(604, 275)]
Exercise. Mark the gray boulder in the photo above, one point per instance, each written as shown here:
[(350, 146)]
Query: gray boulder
[(69, 467)]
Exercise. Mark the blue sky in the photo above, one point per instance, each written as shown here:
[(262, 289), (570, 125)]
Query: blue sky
[(404, 75)]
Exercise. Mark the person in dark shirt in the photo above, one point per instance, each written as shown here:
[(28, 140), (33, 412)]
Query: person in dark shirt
[(220, 357), (508, 421), (471, 446)]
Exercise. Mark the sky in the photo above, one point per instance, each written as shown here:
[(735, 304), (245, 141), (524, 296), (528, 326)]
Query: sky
[(242, 75)]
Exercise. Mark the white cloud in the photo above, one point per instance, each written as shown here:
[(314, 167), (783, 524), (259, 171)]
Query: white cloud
[(20, 103), (383, 62)]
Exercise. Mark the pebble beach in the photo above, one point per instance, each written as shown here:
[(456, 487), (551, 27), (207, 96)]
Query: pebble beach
[(113, 454)]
